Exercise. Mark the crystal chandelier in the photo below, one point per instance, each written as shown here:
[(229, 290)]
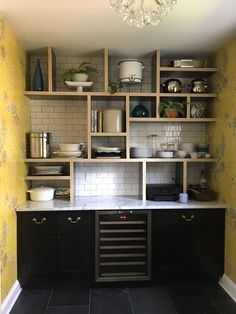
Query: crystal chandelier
[(142, 12)]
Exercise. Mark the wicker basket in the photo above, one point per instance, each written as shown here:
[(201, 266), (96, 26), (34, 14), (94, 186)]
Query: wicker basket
[(204, 195)]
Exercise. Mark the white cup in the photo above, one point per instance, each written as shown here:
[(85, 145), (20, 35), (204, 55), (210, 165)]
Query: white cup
[(183, 197), (188, 147)]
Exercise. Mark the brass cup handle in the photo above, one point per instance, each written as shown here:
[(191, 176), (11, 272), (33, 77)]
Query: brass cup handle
[(39, 222), (74, 221), (188, 219)]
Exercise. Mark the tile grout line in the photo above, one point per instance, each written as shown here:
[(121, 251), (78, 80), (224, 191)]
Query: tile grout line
[(90, 297), (170, 299), (49, 299), (212, 301), (130, 301), (216, 308)]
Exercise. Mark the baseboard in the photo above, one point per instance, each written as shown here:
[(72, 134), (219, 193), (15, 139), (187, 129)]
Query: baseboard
[(229, 286), (11, 298)]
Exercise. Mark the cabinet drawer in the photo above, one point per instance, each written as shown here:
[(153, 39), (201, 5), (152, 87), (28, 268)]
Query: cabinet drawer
[(74, 218), (193, 217), (37, 220)]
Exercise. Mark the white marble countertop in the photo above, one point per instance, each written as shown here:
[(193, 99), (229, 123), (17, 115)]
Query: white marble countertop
[(112, 203)]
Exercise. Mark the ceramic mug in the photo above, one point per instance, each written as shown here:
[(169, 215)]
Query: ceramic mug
[(183, 197)]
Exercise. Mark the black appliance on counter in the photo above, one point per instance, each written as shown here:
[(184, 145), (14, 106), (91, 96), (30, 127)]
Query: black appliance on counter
[(163, 192)]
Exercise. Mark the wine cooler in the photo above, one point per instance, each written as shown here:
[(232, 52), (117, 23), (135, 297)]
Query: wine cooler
[(123, 245)]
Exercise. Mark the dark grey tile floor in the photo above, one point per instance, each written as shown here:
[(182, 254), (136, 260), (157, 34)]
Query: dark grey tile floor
[(182, 299)]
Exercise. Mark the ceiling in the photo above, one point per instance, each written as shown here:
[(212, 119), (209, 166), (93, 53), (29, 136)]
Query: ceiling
[(83, 26)]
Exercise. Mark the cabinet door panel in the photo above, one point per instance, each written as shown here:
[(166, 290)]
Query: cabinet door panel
[(75, 245), (168, 252), (188, 244), (206, 253), (35, 258)]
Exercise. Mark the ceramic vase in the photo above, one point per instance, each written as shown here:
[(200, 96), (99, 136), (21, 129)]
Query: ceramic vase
[(38, 78)]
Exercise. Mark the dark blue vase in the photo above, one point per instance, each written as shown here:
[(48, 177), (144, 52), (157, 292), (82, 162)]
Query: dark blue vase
[(38, 78)]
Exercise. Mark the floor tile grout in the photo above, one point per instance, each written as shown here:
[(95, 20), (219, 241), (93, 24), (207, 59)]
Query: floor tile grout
[(130, 301), (89, 305), (49, 299), (171, 301), (159, 298)]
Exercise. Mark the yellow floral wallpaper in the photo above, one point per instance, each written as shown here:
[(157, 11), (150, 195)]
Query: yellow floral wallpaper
[(223, 146), (14, 122)]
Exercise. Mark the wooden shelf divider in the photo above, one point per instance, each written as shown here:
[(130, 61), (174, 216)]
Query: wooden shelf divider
[(158, 71)]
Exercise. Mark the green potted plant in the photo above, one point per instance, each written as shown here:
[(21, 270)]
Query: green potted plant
[(114, 87), (80, 74), (171, 110)]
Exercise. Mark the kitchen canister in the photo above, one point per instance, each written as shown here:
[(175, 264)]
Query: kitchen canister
[(112, 121), (39, 146), (183, 197)]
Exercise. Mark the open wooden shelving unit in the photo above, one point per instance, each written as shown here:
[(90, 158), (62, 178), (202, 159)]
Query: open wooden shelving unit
[(155, 94)]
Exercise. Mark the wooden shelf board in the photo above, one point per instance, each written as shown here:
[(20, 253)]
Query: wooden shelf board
[(108, 160), (94, 134), (171, 160), (136, 94), (174, 120), (172, 69), (40, 178), (54, 160), (192, 160), (192, 95), (98, 160), (85, 94)]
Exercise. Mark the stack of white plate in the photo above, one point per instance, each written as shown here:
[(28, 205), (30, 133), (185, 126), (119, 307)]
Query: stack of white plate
[(68, 151), (47, 170), (106, 149), (141, 152)]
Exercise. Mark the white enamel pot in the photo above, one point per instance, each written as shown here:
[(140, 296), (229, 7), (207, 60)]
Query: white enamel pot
[(131, 71), (41, 194)]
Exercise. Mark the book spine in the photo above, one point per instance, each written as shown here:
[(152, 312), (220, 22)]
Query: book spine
[(92, 121), (99, 119), (95, 120)]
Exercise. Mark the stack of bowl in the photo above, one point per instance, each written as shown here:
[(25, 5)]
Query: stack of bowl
[(68, 151), (202, 150)]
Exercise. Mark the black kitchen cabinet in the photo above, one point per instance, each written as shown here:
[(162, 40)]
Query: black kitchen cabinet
[(54, 247), (187, 244)]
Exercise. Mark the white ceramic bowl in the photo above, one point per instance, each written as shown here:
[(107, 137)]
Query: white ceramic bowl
[(41, 194), (181, 153), (69, 147), (164, 154)]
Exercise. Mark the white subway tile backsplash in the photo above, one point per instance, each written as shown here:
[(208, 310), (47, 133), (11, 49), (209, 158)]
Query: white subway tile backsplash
[(67, 122)]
